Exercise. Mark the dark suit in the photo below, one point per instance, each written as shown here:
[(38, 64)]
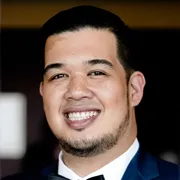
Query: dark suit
[(142, 167)]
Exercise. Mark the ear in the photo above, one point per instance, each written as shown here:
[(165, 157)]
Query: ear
[(136, 88), (41, 88)]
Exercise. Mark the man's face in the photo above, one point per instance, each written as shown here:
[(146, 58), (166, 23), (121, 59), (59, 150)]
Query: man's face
[(84, 91)]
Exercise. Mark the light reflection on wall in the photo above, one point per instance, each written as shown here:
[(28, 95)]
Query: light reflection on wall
[(12, 125)]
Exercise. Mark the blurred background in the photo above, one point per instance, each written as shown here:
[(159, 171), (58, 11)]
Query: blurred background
[(157, 26)]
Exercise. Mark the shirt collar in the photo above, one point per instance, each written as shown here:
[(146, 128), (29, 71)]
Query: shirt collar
[(114, 170)]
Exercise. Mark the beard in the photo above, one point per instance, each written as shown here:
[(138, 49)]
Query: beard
[(96, 146)]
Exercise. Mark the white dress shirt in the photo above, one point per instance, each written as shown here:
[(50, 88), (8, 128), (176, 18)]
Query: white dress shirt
[(112, 171)]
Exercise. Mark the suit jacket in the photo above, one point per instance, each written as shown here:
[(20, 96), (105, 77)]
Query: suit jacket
[(143, 166)]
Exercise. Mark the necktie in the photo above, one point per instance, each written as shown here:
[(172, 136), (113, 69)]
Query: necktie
[(58, 177)]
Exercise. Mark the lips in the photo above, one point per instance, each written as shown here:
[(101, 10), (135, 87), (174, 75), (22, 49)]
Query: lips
[(80, 118)]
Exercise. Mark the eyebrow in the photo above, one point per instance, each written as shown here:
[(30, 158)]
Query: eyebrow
[(90, 62), (100, 61), (52, 66)]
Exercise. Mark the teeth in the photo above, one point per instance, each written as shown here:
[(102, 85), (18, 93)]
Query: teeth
[(78, 116)]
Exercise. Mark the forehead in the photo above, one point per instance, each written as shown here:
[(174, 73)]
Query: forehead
[(74, 47), (83, 37)]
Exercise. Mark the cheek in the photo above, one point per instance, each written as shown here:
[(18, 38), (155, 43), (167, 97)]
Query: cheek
[(53, 96), (113, 94)]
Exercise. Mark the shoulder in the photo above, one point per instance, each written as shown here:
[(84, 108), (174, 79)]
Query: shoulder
[(152, 167), (168, 170)]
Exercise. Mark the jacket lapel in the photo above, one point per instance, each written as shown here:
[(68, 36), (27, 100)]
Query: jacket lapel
[(142, 167), (52, 169)]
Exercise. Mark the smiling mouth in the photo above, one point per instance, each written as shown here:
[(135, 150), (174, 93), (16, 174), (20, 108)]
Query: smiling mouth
[(81, 116)]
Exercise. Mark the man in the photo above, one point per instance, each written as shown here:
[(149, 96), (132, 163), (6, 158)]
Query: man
[(90, 89)]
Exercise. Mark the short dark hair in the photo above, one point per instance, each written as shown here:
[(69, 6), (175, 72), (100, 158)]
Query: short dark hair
[(79, 17)]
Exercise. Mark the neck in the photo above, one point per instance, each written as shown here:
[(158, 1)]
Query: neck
[(83, 166)]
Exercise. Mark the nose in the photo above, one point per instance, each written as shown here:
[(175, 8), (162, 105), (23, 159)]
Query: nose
[(78, 89)]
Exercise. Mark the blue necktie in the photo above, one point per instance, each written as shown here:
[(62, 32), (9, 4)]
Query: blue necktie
[(58, 177)]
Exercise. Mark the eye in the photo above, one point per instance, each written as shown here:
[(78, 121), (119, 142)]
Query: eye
[(59, 76), (96, 73)]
